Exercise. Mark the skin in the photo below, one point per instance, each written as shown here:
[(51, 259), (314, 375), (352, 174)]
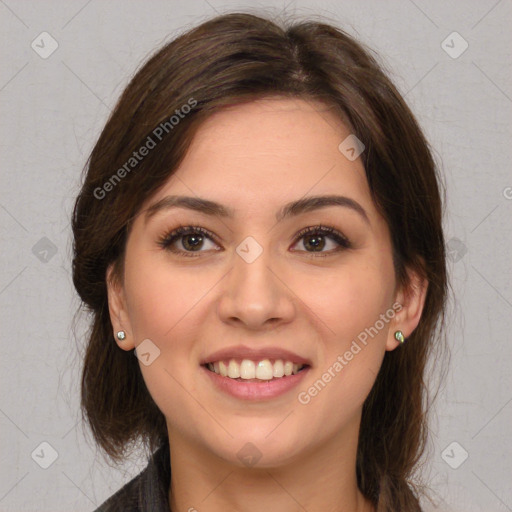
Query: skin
[(255, 158)]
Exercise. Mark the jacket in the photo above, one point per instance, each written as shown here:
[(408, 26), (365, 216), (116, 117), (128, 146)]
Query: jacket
[(148, 491)]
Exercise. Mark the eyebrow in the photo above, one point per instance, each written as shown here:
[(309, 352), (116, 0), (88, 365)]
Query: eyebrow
[(291, 209)]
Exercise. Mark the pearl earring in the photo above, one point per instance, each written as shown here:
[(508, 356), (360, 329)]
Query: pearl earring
[(121, 335), (399, 336)]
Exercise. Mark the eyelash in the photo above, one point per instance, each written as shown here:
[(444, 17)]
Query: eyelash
[(169, 238)]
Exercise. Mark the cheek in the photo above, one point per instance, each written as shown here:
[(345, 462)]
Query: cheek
[(161, 304), (160, 298), (151, 305), (351, 300), (350, 308)]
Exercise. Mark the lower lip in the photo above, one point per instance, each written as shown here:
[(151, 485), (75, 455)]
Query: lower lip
[(256, 390)]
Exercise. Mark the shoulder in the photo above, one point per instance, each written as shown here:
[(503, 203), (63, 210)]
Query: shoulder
[(125, 499), (148, 491)]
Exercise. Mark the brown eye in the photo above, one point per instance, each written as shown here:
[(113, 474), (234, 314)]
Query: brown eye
[(315, 240), (191, 238)]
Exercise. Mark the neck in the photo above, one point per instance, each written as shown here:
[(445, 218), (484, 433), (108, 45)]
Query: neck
[(324, 480)]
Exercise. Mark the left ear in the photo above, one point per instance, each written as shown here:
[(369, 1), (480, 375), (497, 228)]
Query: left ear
[(412, 299), (119, 317)]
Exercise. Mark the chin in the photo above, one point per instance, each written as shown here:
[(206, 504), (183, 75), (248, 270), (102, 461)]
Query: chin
[(257, 448)]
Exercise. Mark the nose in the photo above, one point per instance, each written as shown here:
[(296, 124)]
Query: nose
[(256, 295)]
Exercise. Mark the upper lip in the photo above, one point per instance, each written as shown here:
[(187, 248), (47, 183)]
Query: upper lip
[(254, 354)]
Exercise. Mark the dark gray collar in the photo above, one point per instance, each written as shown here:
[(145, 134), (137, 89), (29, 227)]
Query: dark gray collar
[(148, 491)]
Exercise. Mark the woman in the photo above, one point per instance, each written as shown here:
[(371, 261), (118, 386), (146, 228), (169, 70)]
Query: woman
[(260, 225)]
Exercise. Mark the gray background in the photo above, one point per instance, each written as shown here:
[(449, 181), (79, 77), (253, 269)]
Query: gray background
[(52, 110)]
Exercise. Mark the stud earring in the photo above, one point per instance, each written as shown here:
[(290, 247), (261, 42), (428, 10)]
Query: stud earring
[(121, 335), (399, 336)]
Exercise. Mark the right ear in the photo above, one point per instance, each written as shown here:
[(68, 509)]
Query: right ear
[(117, 308)]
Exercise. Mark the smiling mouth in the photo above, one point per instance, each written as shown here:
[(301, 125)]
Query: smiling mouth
[(247, 370)]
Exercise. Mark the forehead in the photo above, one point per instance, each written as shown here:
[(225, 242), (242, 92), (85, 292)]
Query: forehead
[(275, 129), (267, 152)]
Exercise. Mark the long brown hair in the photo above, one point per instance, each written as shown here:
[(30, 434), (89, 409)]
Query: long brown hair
[(229, 60)]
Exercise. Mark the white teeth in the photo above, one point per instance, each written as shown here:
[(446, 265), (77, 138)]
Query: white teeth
[(248, 369), (278, 368), (264, 370), (233, 370), (223, 369)]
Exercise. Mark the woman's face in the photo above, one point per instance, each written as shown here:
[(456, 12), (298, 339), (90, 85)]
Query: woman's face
[(250, 285)]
